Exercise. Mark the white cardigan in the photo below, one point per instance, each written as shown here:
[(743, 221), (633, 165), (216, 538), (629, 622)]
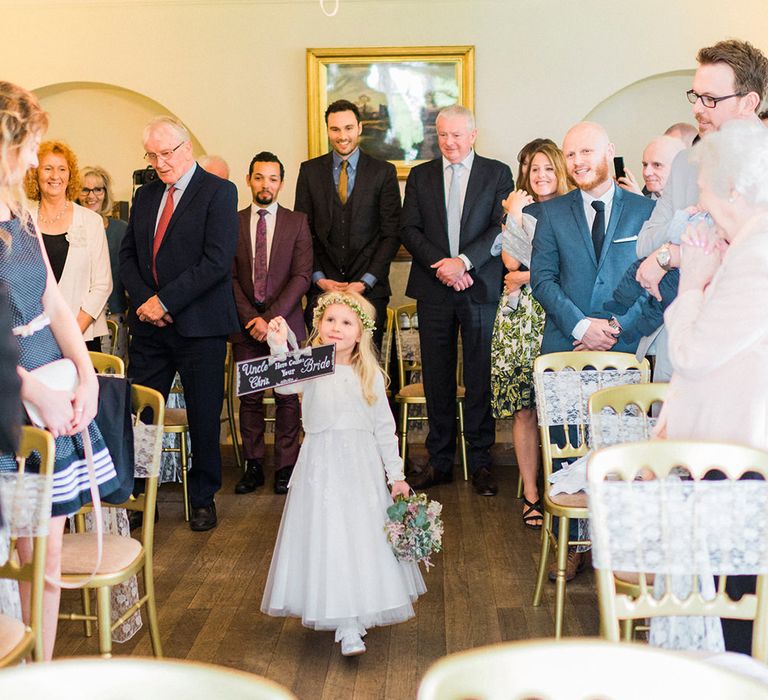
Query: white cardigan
[(86, 281)]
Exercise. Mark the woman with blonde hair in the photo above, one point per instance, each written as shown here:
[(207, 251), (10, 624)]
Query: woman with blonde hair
[(73, 237), (46, 331), (332, 566), (96, 195), (520, 319)]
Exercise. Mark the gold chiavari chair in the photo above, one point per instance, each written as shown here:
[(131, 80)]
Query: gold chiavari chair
[(564, 381), (581, 668), (25, 501), (105, 363), (621, 414), (114, 331), (654, 512), (411, 393), (123, 556)]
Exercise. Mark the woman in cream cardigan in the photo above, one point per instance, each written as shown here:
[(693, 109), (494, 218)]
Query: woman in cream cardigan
[(74, 239)]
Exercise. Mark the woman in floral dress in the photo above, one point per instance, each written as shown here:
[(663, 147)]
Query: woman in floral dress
[(520, 320)]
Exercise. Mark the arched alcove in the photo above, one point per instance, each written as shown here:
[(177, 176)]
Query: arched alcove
[(642, 110), (103, 124)]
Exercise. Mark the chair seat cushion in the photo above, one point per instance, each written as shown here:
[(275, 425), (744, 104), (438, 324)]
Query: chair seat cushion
[(78, 555), (11, 634), (175, 416), (571, 500), (416, 391)]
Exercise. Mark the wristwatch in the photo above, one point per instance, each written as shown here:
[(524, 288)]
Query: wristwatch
[(615, 325), (366, 287), (664, 257)]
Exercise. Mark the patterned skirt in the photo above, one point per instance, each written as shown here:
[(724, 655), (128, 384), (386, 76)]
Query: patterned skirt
[(516, 344)]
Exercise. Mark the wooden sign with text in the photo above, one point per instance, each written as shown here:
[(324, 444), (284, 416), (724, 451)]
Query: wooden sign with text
[(278, 370)]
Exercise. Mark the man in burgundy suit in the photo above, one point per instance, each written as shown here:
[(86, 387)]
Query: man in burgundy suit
[(272, 270)]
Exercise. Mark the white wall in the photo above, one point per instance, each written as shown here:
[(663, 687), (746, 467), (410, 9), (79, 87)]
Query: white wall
[(234, 70)]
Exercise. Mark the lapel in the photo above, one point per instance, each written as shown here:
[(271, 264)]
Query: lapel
[(613, 222), (577, 208), (276, 253), (153, 207), (436, 182), (187, 196), (474, 187), (245, 230), (329, 190), (362, 166)]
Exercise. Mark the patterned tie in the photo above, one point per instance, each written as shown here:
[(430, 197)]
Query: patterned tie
[(598, 227), (454, 210), (260, 258), (343, 182), (162, 227)]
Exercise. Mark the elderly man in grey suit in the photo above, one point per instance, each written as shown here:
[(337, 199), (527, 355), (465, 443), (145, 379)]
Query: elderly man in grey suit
[(729, 83)]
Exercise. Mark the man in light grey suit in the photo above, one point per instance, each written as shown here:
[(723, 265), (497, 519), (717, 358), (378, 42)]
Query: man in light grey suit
[(729, 83), (584, 243)]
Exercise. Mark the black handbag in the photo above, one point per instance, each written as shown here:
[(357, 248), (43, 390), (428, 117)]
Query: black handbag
[(116, 426)]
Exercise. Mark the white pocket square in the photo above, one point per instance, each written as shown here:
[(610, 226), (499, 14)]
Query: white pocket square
[(626, 240)]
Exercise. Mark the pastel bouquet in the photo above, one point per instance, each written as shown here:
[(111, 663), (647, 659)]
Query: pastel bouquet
[(414, 528)]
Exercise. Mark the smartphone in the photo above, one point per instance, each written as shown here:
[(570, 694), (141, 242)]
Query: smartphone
[(618, 166)]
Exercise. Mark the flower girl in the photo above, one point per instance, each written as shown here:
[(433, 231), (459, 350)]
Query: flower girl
[(332, 565)]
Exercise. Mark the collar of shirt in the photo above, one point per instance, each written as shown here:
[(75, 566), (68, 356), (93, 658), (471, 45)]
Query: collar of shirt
[(606, 198), (467, 162), (183, 181), (271, 209), (351, 159)]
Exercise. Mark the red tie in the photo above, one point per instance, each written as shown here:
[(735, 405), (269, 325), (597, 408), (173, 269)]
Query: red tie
[(260, 258), (162, 225)]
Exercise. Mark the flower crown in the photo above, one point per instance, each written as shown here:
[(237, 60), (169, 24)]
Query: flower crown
[(335, 298)]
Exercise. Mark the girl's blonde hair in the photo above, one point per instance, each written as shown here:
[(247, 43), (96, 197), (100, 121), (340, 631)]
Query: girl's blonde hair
[(21, 118), (364, 356)]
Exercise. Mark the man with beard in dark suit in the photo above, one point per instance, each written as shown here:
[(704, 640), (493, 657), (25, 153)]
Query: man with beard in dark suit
[(352, 201)]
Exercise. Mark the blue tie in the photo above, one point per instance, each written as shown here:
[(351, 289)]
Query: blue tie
[(454, 210)]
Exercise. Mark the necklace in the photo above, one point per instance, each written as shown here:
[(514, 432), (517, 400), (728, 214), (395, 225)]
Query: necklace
[(43, 220)]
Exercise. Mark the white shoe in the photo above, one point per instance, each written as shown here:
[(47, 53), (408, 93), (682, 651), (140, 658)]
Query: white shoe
[(352, 645)]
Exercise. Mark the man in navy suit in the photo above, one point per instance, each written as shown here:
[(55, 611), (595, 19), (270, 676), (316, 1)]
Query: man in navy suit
[(584, 243), (176, 264), (450, 225)]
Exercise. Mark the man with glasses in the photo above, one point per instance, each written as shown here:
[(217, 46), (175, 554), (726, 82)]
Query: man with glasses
[(729, 83), (176, 264)]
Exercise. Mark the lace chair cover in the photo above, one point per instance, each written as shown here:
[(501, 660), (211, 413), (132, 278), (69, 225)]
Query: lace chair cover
[(562, 396), (170, 467), (25, 504), (685, 533), (609, 428), (147, 440)]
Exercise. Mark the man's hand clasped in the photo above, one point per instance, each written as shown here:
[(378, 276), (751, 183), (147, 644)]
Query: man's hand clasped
[(151, 311), (452, 272)]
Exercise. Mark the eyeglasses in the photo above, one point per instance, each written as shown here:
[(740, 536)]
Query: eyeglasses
[(93, 190), (165, 155), (708, 100)]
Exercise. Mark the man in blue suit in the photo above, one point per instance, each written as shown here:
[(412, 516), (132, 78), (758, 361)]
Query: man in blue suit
[(584, 243), (176, 264)]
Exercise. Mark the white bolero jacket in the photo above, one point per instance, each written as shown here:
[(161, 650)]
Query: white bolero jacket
[(336, 402), (86, 281)]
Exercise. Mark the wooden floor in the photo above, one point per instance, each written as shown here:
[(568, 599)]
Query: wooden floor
[(209, 588)]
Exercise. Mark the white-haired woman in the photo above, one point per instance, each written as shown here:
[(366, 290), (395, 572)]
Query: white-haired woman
[(718, 325), (96, 195)]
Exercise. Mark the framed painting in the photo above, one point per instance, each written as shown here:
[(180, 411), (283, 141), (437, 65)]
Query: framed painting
[(399, 91)]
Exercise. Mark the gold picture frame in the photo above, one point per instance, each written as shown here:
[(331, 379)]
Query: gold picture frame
[(399, 91)]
